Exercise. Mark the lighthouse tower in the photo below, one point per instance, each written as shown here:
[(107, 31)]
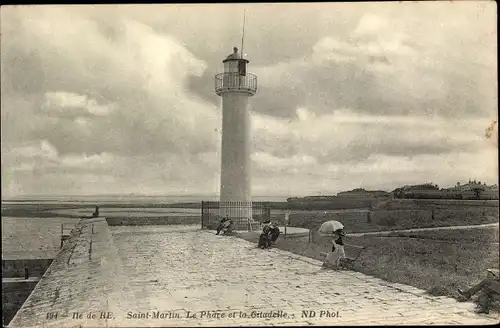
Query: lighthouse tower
[(235, 86)]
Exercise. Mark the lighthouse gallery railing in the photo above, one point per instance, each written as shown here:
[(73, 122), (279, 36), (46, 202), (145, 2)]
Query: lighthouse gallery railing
[(235, 81)]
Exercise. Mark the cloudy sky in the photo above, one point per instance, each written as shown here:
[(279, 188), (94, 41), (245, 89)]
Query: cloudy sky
[(120, 99)]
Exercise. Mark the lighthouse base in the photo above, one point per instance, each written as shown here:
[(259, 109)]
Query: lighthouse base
[(245, 216)]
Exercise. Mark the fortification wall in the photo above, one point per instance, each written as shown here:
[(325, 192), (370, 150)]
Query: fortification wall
[(315, 219), (435, 203), (404, 215)]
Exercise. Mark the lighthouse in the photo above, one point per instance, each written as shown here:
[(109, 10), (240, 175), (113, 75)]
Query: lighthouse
[(235, 85)]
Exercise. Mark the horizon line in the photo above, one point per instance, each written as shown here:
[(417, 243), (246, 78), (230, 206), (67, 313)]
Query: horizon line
[(317, 193)]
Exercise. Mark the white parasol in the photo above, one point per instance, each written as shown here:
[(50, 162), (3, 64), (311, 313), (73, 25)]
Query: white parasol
[(328, 228)]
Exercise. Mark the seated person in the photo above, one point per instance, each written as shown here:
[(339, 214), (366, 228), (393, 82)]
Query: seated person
[(274, 233), (489, 290), (228, 226), (333, 259), (265, 238), (96, 212), (223, 225)]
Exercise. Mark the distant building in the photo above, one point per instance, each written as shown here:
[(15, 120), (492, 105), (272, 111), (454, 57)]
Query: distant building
[(363, 194), (471, 190), (469, 186)]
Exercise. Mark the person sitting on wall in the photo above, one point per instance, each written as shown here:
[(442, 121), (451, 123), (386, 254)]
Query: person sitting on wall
[(265, 238), (333, 258), (96, 212), (274, 233), (489, 292)]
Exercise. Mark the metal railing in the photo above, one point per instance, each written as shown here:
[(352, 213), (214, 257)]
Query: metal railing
[(225, 82), (213, 212)]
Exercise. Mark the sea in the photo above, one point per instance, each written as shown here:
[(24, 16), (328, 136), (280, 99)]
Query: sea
[(125, 199)]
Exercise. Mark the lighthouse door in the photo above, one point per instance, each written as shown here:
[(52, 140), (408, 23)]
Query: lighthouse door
[(242, 67)]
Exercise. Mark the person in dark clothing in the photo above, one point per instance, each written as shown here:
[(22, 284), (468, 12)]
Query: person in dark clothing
[(265, 236), (338, 234), (224, 224), (488, 289), (96, 212), (274, 233)]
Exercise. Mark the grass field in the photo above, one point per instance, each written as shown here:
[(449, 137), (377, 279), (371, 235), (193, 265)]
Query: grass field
[(436, 261)]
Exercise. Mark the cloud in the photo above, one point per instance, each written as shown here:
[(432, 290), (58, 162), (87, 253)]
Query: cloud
[(345, 150), (372, 25), (385, 66), (38, 165), (120, 99), (70, 104), (346, 136), (273, 163), (101, 100), (129, 83), (381, 170)]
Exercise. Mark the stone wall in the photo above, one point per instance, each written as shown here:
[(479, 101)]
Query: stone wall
[(315, 219), (405, 215), (333, 203), (466, 215), (436, 203)]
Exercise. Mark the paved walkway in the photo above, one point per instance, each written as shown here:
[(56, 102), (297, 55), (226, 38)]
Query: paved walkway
[(174, 270), (486, 225), (167, 276)]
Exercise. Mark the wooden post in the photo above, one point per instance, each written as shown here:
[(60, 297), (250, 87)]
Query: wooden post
[(286, 220), (455, 258), (202, 212), (92, 228), (26, 273), (90, 250), (62, 234)]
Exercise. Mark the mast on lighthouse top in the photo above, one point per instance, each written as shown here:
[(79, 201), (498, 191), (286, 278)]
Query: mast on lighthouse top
[(235, 78)]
